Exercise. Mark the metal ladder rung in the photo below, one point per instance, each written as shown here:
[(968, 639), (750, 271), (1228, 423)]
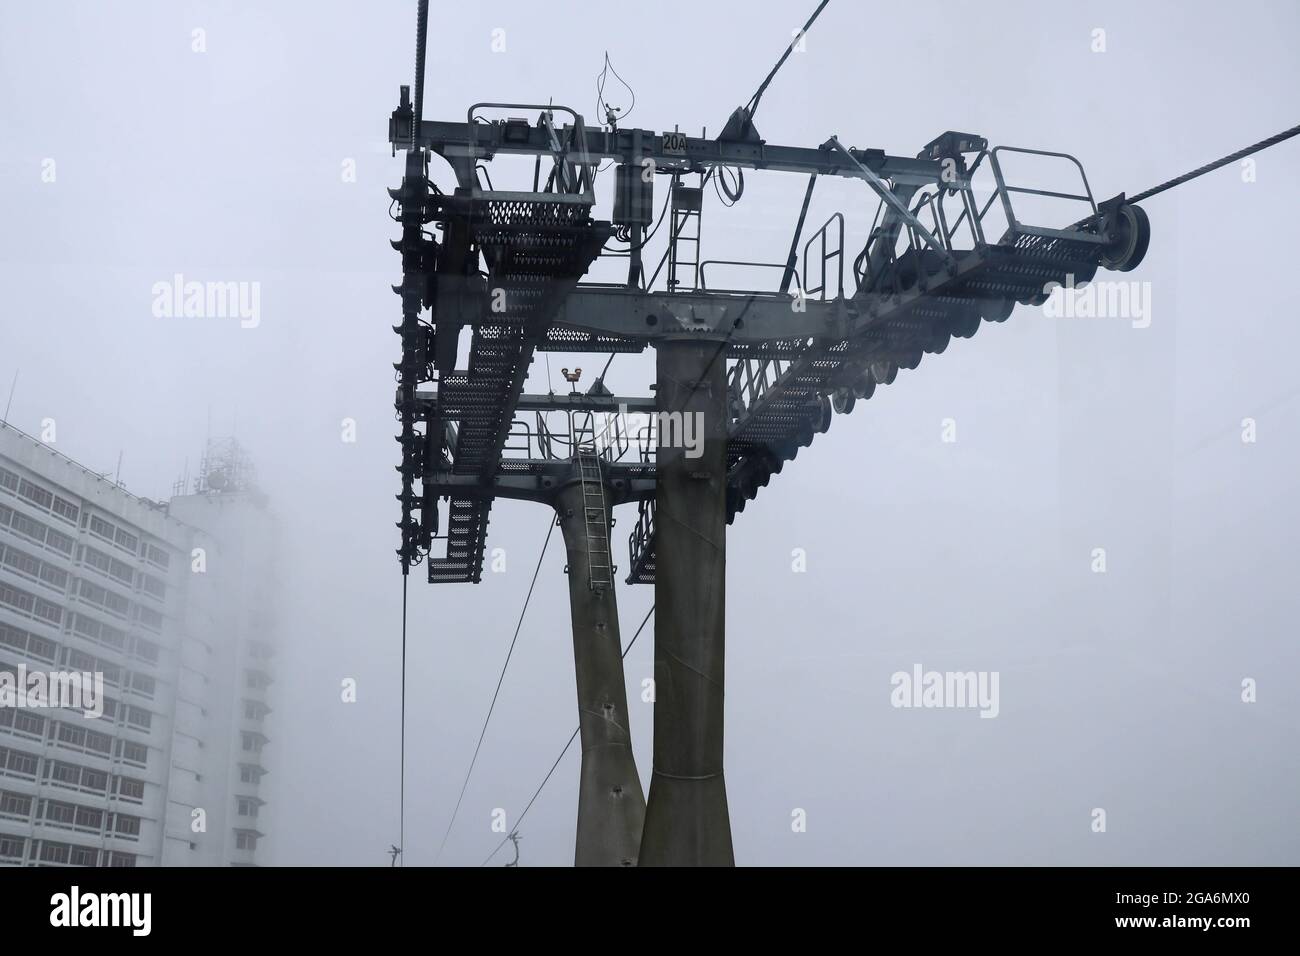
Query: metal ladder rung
[(595, 517)]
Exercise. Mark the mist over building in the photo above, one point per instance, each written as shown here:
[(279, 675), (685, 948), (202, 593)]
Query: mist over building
[(172, 603)]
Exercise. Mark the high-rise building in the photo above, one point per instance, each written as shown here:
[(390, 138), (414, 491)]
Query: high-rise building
[(172, 603)]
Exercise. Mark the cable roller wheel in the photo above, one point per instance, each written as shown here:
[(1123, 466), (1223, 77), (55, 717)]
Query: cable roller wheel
[(1130, 234)]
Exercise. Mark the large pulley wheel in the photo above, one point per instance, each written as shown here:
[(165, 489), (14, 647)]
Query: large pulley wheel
[(825, 414), (966, 322), (864, 386), (844, 400), (884, 373), (997, 310), (1130, 234)]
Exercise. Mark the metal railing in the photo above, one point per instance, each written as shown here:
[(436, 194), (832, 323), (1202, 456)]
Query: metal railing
[(704, 286), (837, 253), (1018, 228)]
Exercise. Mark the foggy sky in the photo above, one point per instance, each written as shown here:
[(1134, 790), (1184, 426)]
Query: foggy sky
[(1119, 691)]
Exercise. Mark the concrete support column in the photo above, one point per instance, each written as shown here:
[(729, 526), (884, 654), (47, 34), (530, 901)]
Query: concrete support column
[(611, 804), (686, 821)]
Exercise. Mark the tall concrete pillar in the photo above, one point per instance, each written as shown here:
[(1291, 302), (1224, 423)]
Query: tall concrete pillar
[(611, 804), (686, 821)]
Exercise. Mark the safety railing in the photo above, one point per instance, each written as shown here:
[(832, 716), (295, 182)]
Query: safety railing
[(704, 285), (1015, 226), (824, 257)]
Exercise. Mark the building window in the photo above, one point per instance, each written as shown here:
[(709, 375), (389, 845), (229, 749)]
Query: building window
[(101, 528), (246, 807), (83, 856), (149, 618), (139, 718), (25, 722), (35, 494), (65, 773), (66, 509), (157, 556), (133, 752), (107, 565), (58, 813), (112, 637), (17, 763), (40, 647), (124, 825), (89, 819), (245, 840), (130, 789), (117, 858), (78, 660), (11, 847), (153, 587), (58, 541), (127, 541), (13, 636), (54, 852), (143, 684), (86, 627), (17, 599), (23, 563), (49, 612), (28, 527), (15, 805)]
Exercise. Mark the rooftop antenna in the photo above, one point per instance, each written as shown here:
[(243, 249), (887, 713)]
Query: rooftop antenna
[(11, 395)]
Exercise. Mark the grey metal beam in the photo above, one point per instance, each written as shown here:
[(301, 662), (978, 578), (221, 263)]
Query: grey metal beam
[(542, 482), (565, 402), (467, 143), (581, 402), (744, 318)]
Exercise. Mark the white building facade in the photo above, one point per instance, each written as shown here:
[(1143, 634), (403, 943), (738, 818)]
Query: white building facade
[(172, 604)]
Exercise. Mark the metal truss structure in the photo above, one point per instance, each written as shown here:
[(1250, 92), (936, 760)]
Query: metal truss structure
[(492, 276), (508, 271)]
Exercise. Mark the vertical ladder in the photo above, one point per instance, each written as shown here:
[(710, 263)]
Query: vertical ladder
[(687, 203), (600, 570)]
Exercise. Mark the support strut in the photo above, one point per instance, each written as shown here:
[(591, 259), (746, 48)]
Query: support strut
[(686, 821), (611, 804)]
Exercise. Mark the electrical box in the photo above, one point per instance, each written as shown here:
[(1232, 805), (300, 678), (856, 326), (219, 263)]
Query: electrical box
[(633, 196), (687, 198)]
